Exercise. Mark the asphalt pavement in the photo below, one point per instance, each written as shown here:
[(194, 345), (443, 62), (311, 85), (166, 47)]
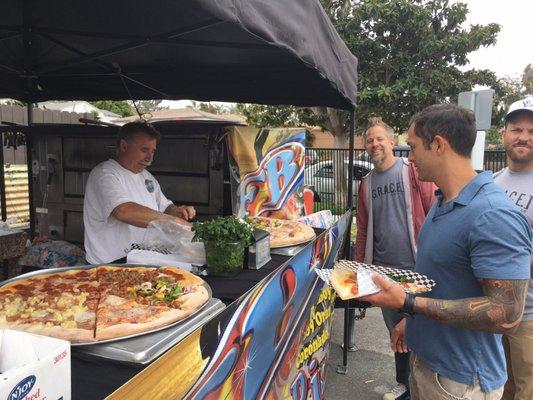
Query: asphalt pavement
[(370, 371)]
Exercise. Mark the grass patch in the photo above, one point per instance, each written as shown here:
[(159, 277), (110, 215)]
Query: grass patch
[(336, 209)]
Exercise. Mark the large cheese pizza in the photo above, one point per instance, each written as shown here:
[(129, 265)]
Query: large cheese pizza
[(104, 302), (283, 232)]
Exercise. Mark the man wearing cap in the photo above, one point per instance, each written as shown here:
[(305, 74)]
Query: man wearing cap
[(517, 181), (476, 244), (122, 198)]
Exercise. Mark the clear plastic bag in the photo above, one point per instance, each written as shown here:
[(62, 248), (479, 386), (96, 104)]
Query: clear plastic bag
[(176, 239)]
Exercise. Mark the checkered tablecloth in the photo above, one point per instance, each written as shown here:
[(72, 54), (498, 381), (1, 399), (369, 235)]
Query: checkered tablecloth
[(158, 249)]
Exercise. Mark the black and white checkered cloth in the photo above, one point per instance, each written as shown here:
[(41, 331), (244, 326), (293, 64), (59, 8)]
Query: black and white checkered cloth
[(158, 249), (417, 278)]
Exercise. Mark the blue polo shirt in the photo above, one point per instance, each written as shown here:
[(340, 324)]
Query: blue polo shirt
[(479, 234)]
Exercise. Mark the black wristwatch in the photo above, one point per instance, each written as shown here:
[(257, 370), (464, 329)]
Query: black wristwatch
[(408, 308)]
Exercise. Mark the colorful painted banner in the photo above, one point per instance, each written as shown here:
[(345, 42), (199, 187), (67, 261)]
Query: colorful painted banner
[(267, 171), (273, 343)]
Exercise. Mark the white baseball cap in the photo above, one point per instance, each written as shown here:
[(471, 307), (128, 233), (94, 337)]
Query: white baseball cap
[(520, 105)]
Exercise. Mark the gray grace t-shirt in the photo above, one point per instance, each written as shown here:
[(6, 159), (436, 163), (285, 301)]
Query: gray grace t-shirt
[(392, 246), (519, 187)]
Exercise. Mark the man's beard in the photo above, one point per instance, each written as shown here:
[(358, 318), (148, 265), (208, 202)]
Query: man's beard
[(519, 159), (377, 161)]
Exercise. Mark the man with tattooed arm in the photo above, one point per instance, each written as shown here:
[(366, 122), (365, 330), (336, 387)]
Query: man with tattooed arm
[(476, 244)]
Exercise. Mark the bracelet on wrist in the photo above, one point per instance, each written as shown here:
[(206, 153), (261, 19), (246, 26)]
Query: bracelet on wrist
[(408, 308)]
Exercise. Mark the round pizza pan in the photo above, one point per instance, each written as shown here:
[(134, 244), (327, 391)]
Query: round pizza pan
[(82, 267)]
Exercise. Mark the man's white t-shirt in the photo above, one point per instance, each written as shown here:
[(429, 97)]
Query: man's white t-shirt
[(109, 185)]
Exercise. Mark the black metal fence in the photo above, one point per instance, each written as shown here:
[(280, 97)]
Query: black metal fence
[(319, 172)]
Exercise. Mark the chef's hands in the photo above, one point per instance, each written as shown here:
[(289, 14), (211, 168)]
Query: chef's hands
[(185, 212), (390, 296), (397, 338)]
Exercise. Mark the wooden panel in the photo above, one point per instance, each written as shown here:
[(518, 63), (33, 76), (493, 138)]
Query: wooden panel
[(75, 183), (38, 115), (169, 377), (182, 155), (86, 152), (74, 230), (183, 189)]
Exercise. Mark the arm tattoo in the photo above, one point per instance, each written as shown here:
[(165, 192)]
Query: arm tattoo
[(499, 310)]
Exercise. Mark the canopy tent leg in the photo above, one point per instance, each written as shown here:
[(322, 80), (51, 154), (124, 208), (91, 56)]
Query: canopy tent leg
[(30, 88), (3, 199), (349, 317), (29, 148)]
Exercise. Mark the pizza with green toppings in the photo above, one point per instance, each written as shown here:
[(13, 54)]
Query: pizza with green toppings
[(103, 302)]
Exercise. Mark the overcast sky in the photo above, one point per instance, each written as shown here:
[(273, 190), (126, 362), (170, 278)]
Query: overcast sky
[(513, 50)]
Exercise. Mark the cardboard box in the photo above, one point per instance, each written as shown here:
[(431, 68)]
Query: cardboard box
[(33, 367)]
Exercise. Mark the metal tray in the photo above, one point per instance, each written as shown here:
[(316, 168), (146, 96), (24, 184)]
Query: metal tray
[(83, 267), (146, 348)]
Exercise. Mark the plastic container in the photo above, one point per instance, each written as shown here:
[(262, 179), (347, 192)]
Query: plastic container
[(224, 259)]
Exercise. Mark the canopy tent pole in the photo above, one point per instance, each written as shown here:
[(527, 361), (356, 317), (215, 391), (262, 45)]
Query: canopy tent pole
[(2, 182), (347, 253), (30, 87), (347, 244)]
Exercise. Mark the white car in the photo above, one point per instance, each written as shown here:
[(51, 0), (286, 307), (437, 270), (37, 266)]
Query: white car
[(320, 177)]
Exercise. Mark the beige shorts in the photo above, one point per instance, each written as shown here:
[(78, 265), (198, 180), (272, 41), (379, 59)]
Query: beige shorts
[(424, 384)]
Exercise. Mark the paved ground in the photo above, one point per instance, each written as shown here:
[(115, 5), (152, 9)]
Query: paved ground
[(370, 369)]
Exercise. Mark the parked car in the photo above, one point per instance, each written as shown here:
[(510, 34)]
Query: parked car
[(311, 157), (319, 177), (401, 151), (364, 156)]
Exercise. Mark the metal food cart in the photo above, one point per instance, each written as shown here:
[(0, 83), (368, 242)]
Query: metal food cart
[(273, 340)]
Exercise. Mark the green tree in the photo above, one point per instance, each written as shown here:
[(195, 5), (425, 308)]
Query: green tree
[(506, 91), (410, 56), (120, 107)]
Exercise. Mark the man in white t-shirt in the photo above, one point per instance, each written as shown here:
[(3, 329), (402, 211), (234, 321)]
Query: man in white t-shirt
[(122, 198), (517, 181)]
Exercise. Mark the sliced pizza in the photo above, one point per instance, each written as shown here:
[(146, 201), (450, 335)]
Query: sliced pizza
[(62, 305), (283, 232), (344, 281), (84, 305)]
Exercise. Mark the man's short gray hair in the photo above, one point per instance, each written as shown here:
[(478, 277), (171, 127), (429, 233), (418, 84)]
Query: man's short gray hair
[(377, 121)]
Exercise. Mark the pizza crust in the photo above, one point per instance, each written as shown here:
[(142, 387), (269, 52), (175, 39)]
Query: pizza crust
[(127, 329), (192, 301), (71, 334)]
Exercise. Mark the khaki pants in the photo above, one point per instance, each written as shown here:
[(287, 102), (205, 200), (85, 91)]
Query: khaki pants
[(426, 384), (519, 353)]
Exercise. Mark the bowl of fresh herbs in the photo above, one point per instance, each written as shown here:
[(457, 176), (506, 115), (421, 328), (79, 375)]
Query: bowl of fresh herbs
[(225, 239)]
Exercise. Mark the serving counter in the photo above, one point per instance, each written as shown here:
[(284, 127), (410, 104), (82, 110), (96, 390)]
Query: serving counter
[(271, 341)]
